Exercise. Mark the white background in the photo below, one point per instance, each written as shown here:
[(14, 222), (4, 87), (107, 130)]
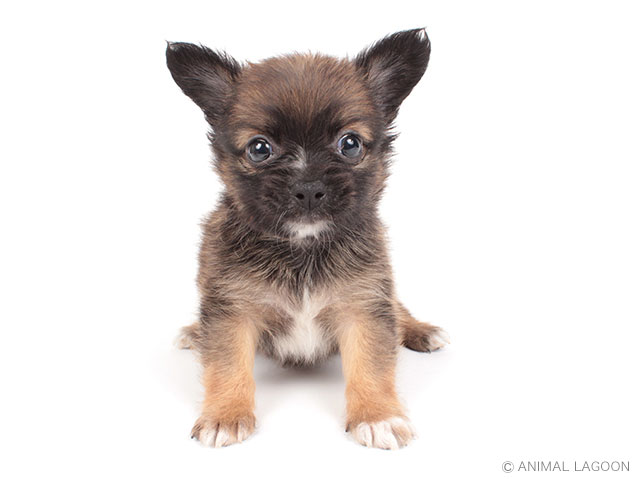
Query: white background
[(513, 214)]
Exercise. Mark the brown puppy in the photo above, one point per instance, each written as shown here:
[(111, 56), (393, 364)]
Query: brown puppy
[(293, 260)]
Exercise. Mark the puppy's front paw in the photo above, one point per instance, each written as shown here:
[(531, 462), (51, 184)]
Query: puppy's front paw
[(214, 433), (423, 337), (389, 434)]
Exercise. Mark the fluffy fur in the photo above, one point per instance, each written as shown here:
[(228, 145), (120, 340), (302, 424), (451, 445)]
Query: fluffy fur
[(276, 275)]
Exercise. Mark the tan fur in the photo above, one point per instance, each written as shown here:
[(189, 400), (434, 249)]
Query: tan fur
[(301, 84)]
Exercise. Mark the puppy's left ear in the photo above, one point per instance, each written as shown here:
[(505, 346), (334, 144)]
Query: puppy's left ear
[(393, 66)]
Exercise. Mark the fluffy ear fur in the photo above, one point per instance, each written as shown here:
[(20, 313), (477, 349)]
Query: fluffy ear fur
[(206, 76), (393, 66)]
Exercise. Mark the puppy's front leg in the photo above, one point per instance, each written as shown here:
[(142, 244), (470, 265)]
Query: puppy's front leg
[(368, 348), (228, 356)]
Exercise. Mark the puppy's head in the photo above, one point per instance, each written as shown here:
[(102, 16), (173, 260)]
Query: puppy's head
[(302, 141)]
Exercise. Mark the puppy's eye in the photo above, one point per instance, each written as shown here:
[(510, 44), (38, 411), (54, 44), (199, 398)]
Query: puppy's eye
[(259, 150), (350, 146)]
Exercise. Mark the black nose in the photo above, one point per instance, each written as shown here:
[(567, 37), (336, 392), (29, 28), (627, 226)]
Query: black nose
[(310, 194)]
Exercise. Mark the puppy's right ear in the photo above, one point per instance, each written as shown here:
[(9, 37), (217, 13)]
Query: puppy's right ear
[(207, 77)]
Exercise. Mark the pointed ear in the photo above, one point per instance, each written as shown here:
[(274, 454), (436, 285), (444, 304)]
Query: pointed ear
[(393, 66), (207, 77)]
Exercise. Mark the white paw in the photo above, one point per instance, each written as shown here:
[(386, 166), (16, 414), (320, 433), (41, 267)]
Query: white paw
[(212, 434), (221, 437), (184, 340), (389, 434), (439, 339)]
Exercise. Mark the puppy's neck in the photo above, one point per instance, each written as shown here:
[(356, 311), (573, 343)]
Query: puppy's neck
[(298, 263), (304, 233)]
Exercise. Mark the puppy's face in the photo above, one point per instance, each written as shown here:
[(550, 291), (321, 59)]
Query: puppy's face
[(302, 141)]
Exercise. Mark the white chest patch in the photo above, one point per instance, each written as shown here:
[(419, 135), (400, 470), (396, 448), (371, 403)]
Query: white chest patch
[(305, 341), (303, 230)]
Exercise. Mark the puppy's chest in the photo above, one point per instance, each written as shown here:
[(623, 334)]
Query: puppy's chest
[(303, 337)]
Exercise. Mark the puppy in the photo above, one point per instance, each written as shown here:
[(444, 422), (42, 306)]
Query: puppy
[(293, 260)]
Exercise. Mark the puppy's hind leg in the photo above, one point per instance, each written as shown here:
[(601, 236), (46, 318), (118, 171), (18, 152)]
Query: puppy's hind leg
[(419, 336), (187, 337)]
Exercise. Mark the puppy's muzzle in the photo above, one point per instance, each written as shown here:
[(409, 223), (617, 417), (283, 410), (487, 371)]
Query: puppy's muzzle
[(310, 194)]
